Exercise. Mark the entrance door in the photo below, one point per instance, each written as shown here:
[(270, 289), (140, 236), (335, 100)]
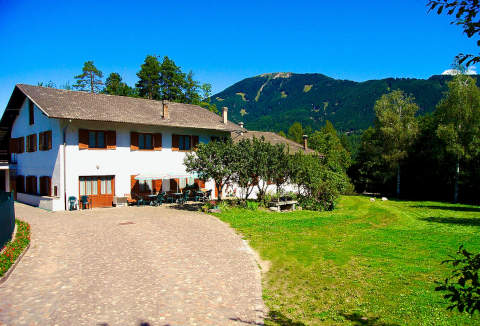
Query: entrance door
[(100, 189)]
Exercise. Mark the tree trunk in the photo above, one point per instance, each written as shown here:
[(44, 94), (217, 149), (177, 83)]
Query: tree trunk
[(398, 181), (457, 176)]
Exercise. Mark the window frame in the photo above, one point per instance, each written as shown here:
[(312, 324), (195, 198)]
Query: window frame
[(96, 132), (144, 135), (31, 143)]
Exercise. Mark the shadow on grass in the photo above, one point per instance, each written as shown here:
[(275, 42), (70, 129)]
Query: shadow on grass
[(279, 319), (451, 208), (453, 220), (359, 320)]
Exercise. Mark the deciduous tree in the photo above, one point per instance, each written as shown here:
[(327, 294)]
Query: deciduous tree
[(458, 118), (396, 126)]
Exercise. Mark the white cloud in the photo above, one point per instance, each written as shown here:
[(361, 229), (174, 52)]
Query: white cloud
[(452, 72)]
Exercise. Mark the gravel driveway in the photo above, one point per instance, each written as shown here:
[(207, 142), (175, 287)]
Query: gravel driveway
[(131, 266)]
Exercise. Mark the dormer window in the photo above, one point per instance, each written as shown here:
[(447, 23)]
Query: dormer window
[(31, 117)]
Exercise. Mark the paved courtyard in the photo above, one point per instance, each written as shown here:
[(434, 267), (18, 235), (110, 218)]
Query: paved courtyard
[(131, 266)]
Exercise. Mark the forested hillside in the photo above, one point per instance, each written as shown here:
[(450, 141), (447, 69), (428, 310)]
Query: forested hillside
[(274, 101)]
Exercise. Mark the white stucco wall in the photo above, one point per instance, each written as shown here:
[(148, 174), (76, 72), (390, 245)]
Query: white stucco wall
[(122, 162), (38, 163)]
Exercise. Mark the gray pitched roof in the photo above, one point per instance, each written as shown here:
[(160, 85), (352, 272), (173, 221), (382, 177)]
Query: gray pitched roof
[(63, 104), (272, 138)]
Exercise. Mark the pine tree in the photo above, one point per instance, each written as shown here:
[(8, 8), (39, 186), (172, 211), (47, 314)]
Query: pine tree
[(149, 79), (90, 79), (115, 86), (191, 89), (172, 81)]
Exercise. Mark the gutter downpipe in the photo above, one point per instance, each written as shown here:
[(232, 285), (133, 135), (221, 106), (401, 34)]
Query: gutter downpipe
[(65, 164)]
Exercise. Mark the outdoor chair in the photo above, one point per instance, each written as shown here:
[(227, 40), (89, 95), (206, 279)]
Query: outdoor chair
[(72, 200), (208, 195), (199, 195), (159, 200), (186, 195), (171, 198), (85, 203)]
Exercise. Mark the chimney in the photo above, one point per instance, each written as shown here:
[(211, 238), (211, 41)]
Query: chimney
[(305, 147), (241, 126), (225, 115), (166, 115)]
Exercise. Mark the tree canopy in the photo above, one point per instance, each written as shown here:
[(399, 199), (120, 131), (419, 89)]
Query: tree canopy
[(90, 79)]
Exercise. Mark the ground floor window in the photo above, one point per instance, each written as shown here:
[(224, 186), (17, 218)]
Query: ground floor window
[(96, 185)]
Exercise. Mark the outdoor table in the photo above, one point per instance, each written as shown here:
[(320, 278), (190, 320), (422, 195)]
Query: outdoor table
[(177, 195)]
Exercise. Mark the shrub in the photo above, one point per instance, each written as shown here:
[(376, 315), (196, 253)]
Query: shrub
[(252, 205), (14, 248), (463, 286)]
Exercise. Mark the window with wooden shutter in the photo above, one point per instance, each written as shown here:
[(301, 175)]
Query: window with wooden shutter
[(31, 118), (133, 141), (32, 143), (175, 141), (45, 186), (20, 183), (21, 145), (31, 185), (195, 141), (82, 139), (45, 140), (111, 136), (157, 142), (49, 139), (40, 141)]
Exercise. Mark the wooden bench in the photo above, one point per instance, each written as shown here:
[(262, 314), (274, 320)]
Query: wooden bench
[(279, 206)]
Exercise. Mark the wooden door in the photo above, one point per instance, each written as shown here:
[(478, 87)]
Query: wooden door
[(99, 189)]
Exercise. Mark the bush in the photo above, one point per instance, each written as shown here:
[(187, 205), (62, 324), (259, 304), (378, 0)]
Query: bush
[(252, 205), (463, 285)]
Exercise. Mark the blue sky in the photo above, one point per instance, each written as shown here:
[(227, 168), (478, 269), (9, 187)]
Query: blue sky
[(224, 41)]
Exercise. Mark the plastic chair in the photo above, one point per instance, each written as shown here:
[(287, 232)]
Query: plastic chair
[(208, 195), (85, 202), (72, 200), (186, 195), (159, 200)]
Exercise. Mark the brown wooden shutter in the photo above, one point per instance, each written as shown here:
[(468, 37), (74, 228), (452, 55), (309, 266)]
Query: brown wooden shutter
[(40, 141), (157, 142), (20, 183), (157, 185), (133, 185), (34, 141), (175, 141), (34, 185), (31, 119), (194, 142), (13, 145), (49, 186), (134, 141), (49, 139), (111, 136), (21, 145), (82, 139)]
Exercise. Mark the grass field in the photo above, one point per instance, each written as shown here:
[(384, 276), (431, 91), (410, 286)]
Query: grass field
[(366, 263)]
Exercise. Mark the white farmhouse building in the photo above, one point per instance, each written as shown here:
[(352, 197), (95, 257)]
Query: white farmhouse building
[(58, 143)]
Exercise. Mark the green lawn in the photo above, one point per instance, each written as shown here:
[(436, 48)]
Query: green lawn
[(366, 263)]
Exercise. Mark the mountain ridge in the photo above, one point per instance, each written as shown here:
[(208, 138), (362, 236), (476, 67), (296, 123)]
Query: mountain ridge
[(273, 101)]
